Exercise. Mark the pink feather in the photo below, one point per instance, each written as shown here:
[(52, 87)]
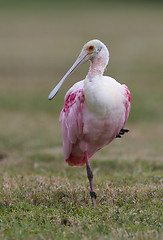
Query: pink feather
[(76, 126)]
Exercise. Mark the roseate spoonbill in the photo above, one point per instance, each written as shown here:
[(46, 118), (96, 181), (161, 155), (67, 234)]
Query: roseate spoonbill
[(95, 109)]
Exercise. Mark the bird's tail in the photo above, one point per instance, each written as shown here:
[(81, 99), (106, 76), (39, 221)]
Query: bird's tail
[(76, 161)]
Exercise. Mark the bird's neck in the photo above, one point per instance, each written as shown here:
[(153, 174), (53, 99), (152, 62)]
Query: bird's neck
[(95, 69), (97, 66), (96, 96)]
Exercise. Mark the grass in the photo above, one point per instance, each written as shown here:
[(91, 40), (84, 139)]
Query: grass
[(51, 207), (41, 201), (40, 196)]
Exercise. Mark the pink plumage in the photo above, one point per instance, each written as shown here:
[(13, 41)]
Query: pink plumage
[(75, 120), (95, 109)]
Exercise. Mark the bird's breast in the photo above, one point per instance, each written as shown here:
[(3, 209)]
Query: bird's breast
[(102, 97)]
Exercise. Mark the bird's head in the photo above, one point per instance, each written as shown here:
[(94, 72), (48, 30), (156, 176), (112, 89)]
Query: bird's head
[(92, 50)]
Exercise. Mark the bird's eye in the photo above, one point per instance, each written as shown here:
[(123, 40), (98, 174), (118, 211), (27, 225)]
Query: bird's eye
[(91, 47)]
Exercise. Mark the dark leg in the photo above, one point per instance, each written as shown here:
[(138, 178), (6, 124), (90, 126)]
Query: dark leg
[(90, 177)]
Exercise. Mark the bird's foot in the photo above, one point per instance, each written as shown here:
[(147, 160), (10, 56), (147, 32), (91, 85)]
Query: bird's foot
[(122, 132), (93, 198), (93, 194)]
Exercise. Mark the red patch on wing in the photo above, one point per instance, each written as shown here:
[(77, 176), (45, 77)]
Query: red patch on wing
[(72, 98)]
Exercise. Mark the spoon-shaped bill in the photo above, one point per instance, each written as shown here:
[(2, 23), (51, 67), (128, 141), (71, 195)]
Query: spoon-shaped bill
[(83, 57)]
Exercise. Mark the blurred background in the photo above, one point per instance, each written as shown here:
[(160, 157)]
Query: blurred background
[(40, 40)]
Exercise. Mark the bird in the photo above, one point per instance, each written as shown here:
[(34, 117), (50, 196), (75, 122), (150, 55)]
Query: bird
[(95, 110)]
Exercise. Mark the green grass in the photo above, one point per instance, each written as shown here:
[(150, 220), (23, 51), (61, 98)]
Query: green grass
[(41, 197)]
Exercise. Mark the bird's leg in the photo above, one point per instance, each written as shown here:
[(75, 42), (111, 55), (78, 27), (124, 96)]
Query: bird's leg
[(90, 177)]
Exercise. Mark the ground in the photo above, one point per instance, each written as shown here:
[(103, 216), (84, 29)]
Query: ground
[(41, 197)]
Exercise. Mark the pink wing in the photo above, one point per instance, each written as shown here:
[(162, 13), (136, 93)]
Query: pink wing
[(72, 125), (127, 103), (72, 122)]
